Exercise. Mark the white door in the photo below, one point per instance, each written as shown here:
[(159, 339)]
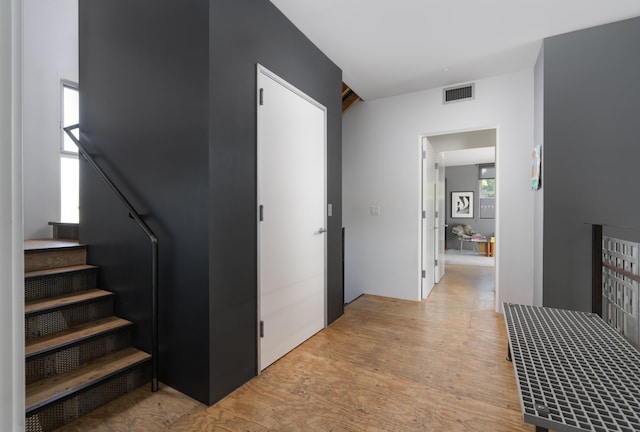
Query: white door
[(291, 217), (440, 217), (428, 211)]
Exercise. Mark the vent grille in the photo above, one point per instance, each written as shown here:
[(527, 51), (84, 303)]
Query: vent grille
[(458, 93)]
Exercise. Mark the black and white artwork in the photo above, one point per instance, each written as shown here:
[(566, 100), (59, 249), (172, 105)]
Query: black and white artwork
[(461, 204)]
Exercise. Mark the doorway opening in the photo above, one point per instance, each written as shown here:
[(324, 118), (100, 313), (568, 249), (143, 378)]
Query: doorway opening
[(458, 200)]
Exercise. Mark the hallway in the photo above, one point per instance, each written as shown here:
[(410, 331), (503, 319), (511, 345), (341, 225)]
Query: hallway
[(387, 365)]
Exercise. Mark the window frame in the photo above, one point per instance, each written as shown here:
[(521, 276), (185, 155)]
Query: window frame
[(489, 177), (64, 153), (71, 85)]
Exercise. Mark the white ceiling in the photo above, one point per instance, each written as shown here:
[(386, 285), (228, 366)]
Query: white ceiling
[(483, 155), (466, 148), (463, 140), (385, 48)]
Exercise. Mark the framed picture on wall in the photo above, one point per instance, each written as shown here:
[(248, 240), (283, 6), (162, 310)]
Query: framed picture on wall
[(461, 204), (536, 168)]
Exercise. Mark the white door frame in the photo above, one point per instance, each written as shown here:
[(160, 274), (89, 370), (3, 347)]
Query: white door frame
[(439, 229), (12, 402), (426, 217), (261, 70), (496, 268)]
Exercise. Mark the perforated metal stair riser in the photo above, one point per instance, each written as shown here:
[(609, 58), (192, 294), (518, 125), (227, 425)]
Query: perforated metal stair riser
[(574, 372), (78, 355), (58, 414), (48, 323), (59, 362), (36, 288)]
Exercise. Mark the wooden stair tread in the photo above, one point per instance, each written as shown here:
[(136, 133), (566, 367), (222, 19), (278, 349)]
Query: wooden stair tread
[(74, 335), (43, 392), (50, 244), (65, 300), (59, 270)]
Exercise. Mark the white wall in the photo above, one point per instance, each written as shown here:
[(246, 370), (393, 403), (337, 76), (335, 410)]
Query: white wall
[(11, 245), (379, 161), (50, 54)]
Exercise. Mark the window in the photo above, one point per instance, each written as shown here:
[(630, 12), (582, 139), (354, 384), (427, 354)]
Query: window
[(487, 191), (69, 178), (488, 188)]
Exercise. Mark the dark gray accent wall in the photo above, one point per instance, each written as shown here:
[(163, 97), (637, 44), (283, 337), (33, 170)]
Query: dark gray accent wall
[(145, 117), (591, 151), (464, 179), (244, 33), (167, 95)]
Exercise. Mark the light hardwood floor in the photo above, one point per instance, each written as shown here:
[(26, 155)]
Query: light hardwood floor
[(386, 365)]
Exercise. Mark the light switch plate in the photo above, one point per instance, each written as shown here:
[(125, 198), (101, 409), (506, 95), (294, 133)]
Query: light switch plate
[(375, 211)]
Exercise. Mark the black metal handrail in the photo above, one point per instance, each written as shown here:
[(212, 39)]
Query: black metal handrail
[(154, 251)]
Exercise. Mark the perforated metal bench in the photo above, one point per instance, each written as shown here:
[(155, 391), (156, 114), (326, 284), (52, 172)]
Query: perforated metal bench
[(573, 371)]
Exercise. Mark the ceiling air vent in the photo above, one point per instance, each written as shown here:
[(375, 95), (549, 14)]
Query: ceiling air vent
[(458, 93)]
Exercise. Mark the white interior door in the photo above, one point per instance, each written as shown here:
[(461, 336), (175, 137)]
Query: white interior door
[(439, 225), (291, 219), (428, 210)]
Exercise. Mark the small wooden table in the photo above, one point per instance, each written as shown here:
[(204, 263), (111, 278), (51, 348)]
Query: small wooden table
[(487, 248), (573, 371)]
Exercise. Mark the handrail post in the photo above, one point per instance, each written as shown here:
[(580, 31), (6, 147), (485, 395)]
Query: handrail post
[(154, 314), (154, 251)]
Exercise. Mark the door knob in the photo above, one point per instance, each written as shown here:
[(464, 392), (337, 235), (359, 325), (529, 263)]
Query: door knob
[(322, 230)]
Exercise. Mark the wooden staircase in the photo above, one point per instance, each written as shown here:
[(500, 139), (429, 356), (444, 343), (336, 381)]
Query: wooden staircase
[(78, 356)]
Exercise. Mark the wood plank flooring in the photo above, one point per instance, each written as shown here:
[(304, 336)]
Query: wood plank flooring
[(386, 365)]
